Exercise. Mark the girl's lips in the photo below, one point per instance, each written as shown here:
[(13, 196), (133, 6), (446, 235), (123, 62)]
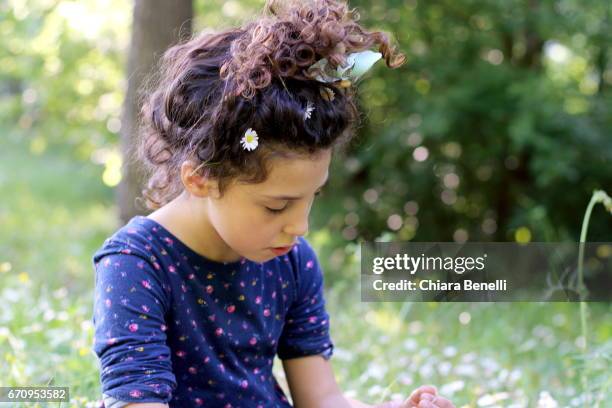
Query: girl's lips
[(281, 250)]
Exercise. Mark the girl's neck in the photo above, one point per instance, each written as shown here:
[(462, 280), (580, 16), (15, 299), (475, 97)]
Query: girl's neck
[(187, 220)]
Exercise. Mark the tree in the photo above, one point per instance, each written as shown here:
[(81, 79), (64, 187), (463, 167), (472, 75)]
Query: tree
[(157, 24)]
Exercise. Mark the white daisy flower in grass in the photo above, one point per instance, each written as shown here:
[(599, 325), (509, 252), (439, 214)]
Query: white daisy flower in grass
[(309, 108), (250, 140)]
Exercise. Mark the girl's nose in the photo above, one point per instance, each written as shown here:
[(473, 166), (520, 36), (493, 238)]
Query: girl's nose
[(298, 227), (298, 223)]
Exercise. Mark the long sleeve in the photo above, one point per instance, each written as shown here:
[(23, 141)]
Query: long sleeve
[(306, 330), (129, 320)]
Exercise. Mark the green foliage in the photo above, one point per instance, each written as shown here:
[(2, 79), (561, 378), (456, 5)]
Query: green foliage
[(501, 110), (61, 71)]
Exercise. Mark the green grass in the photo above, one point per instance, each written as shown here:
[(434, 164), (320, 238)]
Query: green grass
[(55, 212)]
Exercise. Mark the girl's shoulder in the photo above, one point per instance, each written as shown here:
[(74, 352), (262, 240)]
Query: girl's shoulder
[(137, 237)]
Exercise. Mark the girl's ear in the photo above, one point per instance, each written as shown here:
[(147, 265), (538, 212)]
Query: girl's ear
[(195, 184)]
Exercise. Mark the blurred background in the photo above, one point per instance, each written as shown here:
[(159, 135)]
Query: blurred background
[(498, 128)]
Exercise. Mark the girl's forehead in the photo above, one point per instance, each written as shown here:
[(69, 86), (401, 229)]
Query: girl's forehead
[(281, 167), (295, 176)]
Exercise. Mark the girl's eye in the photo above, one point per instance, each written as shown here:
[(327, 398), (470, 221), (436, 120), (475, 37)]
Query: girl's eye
[(275, 211), (280, 210)]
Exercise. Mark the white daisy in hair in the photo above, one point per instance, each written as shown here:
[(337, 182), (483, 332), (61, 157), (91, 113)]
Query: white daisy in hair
[(309, 108), (250, 140)]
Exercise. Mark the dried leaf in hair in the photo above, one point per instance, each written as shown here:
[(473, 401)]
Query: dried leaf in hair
[(327, 93)]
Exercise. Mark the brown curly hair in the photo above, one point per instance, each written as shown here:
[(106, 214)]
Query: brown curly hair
[(215, 86)]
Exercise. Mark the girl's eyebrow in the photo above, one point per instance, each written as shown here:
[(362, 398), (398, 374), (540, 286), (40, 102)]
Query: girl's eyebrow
[(291, 198)]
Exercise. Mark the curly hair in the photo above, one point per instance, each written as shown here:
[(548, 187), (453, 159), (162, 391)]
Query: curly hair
[(213, 87)]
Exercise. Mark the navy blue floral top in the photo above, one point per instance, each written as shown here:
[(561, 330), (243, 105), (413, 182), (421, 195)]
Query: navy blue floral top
[(173, 326)]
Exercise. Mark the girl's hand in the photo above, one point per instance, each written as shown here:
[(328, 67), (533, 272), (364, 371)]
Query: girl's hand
[(426, 396)]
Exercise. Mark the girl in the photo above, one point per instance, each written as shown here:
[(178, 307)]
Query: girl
[(193, 302)]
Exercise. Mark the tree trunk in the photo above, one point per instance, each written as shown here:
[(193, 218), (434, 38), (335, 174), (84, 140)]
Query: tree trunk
[(156, 25)]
